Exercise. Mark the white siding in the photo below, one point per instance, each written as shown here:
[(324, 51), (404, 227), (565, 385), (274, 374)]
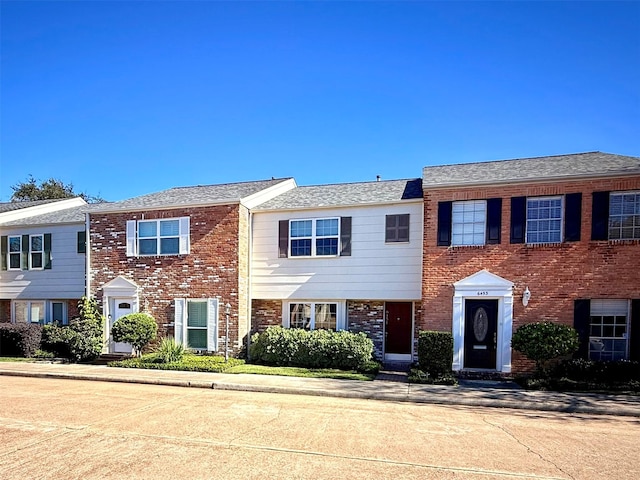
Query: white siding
[(375, 270), (65, 279)]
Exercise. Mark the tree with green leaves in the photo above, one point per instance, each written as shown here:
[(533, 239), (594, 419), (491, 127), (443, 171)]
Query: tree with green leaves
[(50, 189)]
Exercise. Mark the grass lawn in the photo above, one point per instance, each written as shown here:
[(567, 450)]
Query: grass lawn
[(18, 359), (216, 364)]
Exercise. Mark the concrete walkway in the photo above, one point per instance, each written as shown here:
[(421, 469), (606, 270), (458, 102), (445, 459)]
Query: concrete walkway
[(469, 393)]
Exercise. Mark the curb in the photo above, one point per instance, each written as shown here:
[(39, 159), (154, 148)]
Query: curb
[(435, 398)]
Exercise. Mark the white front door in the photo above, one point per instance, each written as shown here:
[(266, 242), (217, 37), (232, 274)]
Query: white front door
[(122, 307)]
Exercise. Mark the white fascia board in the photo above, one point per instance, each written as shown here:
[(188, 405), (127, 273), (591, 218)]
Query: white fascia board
[(164, 207), (267, 194), (41, 209), (346, 205), (527, 181)]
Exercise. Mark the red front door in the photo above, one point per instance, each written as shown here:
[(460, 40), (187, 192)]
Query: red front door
[(398, 332)]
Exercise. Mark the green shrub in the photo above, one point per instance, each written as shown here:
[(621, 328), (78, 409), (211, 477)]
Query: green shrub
[(138, 329), (19, 339), (170, 350), (418, 376), (435, 352), (295, 347), (82, 339), (190, 362), (543, 342)]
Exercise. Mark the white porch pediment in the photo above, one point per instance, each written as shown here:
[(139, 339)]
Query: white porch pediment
[(120, 286), (483, 279)]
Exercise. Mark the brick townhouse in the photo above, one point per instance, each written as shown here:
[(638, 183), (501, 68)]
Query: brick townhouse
[(517, 241), (182, 256)]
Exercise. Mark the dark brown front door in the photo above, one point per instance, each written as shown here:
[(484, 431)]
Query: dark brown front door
[(480, 332), (398, 327)]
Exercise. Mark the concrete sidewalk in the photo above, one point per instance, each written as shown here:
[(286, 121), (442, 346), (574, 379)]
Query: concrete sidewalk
[(481, 394)]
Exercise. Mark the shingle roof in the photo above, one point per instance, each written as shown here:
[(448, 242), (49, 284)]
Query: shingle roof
[(590, 164), (68, 215), (196, 195), (11, 206), (346, 194)]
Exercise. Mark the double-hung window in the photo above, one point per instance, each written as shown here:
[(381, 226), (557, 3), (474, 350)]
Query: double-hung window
[(196, 323), (15, 251), (312, 316), (36, 251), (469, 221), (624, 216), (609, 329), (315, 237), (29, 311), (158, 237), (25, 252), (544, 220)]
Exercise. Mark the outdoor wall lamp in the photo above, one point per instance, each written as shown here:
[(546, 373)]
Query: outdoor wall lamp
[(526, 296)]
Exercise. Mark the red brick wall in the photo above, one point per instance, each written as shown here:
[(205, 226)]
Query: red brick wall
[(210, 270), (264, 314), (368, 317), (556, 274)]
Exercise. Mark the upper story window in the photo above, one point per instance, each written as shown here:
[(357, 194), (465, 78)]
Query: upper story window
[(36, 251), (168, 236), (624, 216), (15, 252), (549, 219), (26, 252), (396, 228), (544, 220), (468, 222), (311, 238)]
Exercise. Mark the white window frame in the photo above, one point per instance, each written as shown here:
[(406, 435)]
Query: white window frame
[(608, 308), (528, 219), (32, 252), (396, 228), (181, 317), (18, 253), (340, 312), (621, 216), (476, 227), (133, 238), (29, 304), (314, 237)]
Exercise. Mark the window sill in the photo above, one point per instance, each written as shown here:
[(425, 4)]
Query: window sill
[(634, 241), (466, 247)]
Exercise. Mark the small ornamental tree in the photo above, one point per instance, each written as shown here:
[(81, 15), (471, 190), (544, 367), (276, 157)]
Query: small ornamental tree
[(138, 329), (543, 342)]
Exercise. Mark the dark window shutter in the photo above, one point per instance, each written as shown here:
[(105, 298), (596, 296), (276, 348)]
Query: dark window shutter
[(24, 256), (634, 331), (47, 251), (494, 220), (572, 217), (3, 252), (518, 219), (82, 242), (444, 223), (283, 238), (345, 236), (600, 216), (581, 322)]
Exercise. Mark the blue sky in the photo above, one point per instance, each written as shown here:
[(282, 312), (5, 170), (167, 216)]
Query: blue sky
[(125, 98)]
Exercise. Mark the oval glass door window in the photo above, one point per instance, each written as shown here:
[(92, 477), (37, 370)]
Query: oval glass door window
[(480, 324)]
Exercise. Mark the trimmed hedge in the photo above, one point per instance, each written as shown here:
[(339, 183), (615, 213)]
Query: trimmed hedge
[(138, 329), (545, 341), (19, 339), (435, 352), (294, 347)]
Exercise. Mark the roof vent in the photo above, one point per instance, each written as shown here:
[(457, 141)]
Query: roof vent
[(377, 178)]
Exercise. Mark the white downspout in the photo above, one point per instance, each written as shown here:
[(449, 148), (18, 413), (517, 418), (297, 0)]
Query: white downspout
[(249, 290), (87, 255)]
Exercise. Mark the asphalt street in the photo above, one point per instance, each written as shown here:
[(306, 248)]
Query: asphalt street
[(67, 429)]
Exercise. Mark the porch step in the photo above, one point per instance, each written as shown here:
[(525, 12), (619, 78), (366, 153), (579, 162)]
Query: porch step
[(110, 357), (396, 366)]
